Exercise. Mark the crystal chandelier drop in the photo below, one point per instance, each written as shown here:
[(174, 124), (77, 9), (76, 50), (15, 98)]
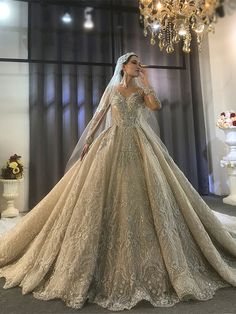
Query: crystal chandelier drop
[(174, 20)]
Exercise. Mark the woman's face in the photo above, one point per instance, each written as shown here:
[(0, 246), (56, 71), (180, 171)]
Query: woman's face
[(133, 67)]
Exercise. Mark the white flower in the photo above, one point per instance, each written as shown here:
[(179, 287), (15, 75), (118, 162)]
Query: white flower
[(13, 165), (16, 170), (225, 121)]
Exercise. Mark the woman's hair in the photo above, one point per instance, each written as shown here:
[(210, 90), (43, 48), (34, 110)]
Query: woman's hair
[(122, 72)]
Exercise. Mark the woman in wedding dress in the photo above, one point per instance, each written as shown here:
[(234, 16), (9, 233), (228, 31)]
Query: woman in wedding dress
[(123, 224)]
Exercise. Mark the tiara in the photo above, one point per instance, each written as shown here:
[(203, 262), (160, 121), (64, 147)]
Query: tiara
[(123, 58)]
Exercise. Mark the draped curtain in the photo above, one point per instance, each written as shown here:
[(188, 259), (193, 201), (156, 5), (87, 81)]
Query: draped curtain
[(69, 71)]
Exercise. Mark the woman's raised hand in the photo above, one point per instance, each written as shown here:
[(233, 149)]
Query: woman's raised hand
[(144, 76)]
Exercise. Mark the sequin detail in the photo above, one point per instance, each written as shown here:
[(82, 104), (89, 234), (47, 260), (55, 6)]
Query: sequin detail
[(123, 225)]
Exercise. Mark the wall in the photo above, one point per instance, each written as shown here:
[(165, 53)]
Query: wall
[(14, 95), (218, 76)]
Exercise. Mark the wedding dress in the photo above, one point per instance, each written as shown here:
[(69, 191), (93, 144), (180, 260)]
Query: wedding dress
[(122, 225)]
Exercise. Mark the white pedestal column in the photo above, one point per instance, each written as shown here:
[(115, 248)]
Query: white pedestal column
[(10, 193), (231, 169), (229, 162)]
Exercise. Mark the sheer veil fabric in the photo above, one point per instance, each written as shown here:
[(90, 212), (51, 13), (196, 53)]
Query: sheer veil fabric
[(123, 224), (104, 121)]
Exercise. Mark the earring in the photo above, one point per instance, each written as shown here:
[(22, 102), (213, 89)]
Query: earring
[(124, 80)]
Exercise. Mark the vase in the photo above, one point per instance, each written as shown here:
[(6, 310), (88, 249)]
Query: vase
[(10, 193), (229, 162), (230, 140)]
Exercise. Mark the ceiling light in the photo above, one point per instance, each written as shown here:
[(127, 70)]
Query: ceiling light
[(178, 20), (66, 18), (88, 21)]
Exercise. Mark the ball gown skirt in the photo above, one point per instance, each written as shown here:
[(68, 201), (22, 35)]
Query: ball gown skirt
[(122, 225)]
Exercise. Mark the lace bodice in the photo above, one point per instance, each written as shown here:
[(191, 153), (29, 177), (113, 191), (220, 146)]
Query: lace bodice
[(125, 110), (123, 225)]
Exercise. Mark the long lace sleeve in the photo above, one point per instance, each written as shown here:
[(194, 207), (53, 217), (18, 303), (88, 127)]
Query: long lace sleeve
[(152, 97)]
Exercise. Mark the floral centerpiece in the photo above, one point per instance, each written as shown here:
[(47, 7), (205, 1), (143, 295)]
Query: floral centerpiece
[(226, 120), (13, 169)]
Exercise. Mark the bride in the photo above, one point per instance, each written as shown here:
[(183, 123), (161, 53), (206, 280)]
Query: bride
[(124, 224)]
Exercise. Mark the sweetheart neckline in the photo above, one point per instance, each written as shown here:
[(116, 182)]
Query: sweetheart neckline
[(136, 92)]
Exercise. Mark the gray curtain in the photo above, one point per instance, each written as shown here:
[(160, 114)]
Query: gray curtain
[(69, 72)]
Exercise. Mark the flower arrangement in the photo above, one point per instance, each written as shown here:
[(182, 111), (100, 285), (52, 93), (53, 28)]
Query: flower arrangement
[(13, 169), (227, 119)]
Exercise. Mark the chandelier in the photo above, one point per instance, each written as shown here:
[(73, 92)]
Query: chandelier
[(172, 21)]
